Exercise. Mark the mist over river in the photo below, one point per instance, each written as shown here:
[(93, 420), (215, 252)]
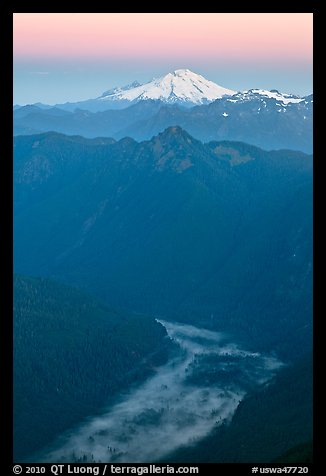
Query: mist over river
[(198, 388)]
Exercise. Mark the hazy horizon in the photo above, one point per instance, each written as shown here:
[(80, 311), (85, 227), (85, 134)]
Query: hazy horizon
[(60, 57)]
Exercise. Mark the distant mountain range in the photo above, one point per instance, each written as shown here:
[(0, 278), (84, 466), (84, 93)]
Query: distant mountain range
[(214, 234), (181, 87), (268, 119)]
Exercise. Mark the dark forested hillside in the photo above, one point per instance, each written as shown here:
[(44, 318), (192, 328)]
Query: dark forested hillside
[(217, 234), (72, 355), (272, 423)]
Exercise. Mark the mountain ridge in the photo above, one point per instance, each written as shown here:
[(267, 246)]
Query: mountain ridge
[(252, 118), (186, 222), (182, 86)]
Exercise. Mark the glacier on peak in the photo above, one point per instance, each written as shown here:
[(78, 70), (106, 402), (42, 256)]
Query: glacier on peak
[(182, 85)]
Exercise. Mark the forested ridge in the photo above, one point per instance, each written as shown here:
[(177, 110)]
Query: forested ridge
[(71, 356), (214, 234)]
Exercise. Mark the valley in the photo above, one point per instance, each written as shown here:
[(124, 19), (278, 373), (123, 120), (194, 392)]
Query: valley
[(198, 389)]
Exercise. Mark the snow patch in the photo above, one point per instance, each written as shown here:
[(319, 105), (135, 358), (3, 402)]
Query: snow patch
[(285, 98)]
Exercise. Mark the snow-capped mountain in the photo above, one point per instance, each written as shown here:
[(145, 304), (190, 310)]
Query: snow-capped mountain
[(181, 86), (265, 94)]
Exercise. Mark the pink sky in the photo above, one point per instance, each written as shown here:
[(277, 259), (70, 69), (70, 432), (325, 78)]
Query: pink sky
[(220, 36)]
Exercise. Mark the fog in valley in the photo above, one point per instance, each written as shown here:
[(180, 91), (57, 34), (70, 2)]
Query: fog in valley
[(199, 387)]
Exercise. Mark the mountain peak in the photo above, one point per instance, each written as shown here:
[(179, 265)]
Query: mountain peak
[(176, 138), (180, 72), (181, 86), (175, 149), (175, 132)]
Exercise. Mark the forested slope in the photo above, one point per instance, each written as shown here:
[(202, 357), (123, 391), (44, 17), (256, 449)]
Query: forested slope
[(71, 356)]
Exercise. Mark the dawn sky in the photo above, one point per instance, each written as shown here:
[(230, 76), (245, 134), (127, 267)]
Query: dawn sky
[(61, 57)]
